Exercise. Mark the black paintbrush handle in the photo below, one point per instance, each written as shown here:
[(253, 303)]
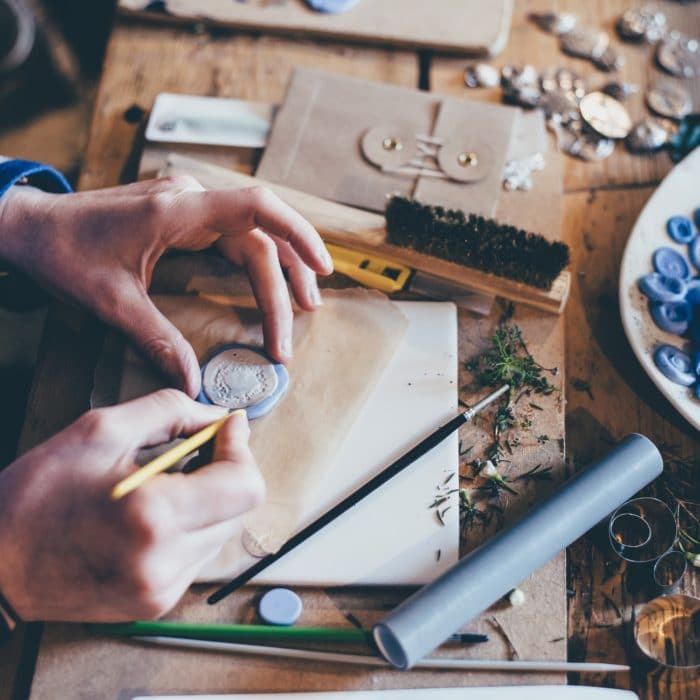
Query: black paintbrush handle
[(423, 447)]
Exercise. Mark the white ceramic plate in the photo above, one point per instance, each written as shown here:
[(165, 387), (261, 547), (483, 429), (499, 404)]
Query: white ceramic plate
[(679, 193)]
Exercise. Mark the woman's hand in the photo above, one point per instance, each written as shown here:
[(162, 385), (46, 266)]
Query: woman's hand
[(70, 553), (99, 248)]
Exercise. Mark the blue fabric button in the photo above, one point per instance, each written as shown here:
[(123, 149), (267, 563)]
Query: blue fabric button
[(280, 606), (333, 7), (681, 229), (671, 263)]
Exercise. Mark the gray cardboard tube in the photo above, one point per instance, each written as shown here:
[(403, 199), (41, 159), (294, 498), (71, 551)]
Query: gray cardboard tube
[(426, 619)]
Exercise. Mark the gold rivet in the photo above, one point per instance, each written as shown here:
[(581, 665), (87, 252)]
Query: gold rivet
[(391, 144), (468, 159)]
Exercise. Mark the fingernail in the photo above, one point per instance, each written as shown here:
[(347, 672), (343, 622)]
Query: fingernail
[(326, 257), (315, 295), (286, 347), (243, 419)]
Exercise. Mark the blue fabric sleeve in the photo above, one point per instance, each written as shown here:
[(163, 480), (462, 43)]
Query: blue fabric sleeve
[(38, 175)]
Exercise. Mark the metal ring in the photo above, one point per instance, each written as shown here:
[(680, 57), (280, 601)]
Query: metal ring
[(24, 41), (662, 524), (629, 531), (669, 570)]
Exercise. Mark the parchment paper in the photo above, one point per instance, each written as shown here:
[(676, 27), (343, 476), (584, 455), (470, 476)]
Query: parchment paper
[(340, 352)]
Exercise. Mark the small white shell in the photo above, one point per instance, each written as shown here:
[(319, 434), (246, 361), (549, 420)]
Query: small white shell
[(516, 597), (487, 75)]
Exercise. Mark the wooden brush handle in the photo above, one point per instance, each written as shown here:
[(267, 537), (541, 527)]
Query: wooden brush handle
[(365, 231)]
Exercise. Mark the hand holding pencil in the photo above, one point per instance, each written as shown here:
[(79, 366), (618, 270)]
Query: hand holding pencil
[(71, 552)]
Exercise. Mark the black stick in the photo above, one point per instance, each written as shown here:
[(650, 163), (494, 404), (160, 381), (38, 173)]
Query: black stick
[(348, 502)]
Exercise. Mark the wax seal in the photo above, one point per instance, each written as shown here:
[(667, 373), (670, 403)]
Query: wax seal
[(237, 376), (606, 115), (679, 55), (647, 135), (644, 23), (669, 100)]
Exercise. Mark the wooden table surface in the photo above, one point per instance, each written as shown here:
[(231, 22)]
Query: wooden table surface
[(608, 395)]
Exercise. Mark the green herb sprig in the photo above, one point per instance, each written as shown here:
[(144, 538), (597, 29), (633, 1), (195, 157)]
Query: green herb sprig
[(508, 361)]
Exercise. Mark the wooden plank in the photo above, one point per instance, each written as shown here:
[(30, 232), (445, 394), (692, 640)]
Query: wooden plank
[(529, 44), (609, 396), (448, 25)]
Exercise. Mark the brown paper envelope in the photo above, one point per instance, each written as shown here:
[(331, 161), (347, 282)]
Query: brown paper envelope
[(315, 142), (483, 129)]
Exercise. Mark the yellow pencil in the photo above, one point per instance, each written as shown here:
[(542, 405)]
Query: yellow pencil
[(169, 458)]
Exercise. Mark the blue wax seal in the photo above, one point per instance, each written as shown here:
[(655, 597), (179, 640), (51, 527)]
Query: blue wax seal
[(681, 229), (280, 606), (672, 316), (661, 288), (239, 376), (671, 263), (696, 362), (695, 325), (333, 7), (692, 294), (694, 252), (675, 365)]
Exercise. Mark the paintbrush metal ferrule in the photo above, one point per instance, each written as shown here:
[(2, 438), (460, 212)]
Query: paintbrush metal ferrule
[(486, 401), (406, 460)]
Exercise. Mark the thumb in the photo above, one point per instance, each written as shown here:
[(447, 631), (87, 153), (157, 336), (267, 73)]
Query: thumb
[(159, 340)]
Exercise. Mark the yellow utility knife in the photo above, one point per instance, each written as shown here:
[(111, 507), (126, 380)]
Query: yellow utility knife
[(369, 270), (388, 276)]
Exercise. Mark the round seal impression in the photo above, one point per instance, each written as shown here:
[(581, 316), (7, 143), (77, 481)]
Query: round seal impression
[(238, 376)]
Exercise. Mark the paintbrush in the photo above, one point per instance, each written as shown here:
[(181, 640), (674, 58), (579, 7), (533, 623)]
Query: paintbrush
[(445, 664), (169, 458), (215, 632), (423, 447)]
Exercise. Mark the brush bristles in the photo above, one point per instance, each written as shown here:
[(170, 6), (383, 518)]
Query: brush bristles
[(475, 241)]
